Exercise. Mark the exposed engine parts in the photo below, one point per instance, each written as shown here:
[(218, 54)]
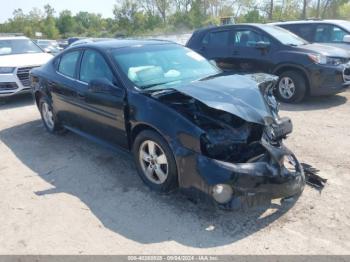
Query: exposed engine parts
[(227, 137)]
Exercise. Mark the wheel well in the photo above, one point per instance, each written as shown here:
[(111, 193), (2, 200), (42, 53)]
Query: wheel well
[(142, 127), (137, 130), (37, 96), (291, 68)]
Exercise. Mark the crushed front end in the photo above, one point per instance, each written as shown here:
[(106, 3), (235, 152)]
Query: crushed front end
[(240, 151)]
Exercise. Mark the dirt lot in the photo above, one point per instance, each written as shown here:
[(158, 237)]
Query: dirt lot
[(66, 195)]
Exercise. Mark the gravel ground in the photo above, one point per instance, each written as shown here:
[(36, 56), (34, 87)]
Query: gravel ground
[(67, 195)]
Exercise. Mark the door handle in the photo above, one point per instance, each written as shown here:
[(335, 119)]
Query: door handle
[(80, 95)]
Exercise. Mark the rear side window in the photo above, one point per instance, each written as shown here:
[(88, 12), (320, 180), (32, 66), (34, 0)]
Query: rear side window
[(216, 39), (94, 66), (306, 32), (68, 63), (293, 28)]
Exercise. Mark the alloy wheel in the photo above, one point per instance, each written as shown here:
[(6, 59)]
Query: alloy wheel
[(154, 162), (286, 87)]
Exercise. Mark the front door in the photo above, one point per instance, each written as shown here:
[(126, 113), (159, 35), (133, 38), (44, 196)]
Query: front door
[(102, 110), (251, 51)]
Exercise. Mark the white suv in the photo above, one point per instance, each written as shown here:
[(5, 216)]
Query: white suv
[(18, 55)]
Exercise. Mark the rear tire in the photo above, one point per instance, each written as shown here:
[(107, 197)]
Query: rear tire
[(155, 162), (48, 117), (291, 87)]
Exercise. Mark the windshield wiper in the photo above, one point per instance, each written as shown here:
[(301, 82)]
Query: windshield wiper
[(158, 84), (211, 76), (153, 85)]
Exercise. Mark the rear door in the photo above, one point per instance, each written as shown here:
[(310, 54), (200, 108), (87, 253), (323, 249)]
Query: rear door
[(251, 50), (63, 88), (102, 111)]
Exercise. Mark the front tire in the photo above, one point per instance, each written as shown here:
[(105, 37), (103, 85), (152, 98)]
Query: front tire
[(48, 117), (155, 162), (291, 87)]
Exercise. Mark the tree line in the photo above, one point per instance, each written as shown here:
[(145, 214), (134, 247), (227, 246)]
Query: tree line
[(141, 17)]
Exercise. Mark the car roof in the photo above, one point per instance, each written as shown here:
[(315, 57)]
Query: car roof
[(121, 43), (12, 37), (314, 21), (257, 25)]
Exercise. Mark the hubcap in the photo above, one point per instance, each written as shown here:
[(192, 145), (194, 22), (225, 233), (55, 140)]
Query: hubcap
[(153, 161), (286, 87), (47, 115)]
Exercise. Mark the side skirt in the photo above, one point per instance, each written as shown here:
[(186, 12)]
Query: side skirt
[(114, 148)]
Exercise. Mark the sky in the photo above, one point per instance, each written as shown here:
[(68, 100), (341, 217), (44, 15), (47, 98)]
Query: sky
[(104, 7)]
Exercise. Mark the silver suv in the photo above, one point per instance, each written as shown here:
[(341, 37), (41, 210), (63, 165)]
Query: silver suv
[(18, 55)]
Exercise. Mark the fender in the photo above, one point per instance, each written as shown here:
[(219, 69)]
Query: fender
[(175, 128)]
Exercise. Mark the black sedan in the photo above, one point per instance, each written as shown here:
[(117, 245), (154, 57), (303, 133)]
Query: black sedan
[(188, 124)]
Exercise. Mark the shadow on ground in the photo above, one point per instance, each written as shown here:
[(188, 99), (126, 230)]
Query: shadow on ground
[(108, 185), (16, 101), (316, 103)]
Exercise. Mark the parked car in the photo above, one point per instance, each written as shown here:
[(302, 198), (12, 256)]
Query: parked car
[(18, 55), (330, 32), (49, 46), (187, 124), (303, 68), (63, 43), (71, 40)]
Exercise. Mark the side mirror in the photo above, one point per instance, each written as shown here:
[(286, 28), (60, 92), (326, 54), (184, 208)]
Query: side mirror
[(101, 85), (262, 45), (346, 38)]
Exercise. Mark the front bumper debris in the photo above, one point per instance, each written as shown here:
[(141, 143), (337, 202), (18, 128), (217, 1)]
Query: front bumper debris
[(267, 179)]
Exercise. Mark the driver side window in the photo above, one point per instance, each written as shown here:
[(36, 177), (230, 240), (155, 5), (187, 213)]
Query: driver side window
[(248, 38), (94, 66)]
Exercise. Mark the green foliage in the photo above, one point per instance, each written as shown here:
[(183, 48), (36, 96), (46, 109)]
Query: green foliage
[(66, 24), (140, 17), (253, 16)]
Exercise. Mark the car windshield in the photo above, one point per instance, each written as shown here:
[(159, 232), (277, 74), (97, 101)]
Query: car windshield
[(284, 36), (162, 66), (18, 46)]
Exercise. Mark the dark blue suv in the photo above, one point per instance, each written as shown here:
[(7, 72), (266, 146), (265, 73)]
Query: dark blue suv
[(303, 68)]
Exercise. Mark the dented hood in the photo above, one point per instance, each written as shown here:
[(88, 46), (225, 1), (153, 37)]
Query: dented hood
[(241, 95)]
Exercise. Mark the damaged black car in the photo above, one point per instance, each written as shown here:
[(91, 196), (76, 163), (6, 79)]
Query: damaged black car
[(187, 124)]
